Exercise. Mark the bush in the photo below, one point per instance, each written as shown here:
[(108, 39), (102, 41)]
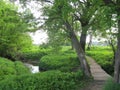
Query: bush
[(50, 80), (33, 55), (110, 85), (104, 58), (100, 48), (62, 62), (9, 68)]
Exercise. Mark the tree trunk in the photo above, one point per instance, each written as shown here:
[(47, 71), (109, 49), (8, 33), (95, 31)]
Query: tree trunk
[(79, 51), (117, 57), (72, 46), (117, 61), (90, 42), (83, 39), (113, 49)]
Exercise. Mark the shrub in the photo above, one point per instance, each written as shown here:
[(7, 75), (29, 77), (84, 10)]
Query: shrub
[(104, 58), (66, 48), (62, 62), (69, 51), (50, 80), (9, 68), (110, 85), (100, 48), (33, 55)]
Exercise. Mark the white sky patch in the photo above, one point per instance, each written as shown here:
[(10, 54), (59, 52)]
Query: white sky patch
[(39, 37), (35, 8)]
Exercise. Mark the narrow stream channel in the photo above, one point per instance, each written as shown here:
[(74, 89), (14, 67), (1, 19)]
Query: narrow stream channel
[(33, 69)]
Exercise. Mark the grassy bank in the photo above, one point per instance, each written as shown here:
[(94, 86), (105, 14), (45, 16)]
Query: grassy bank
[(104, 57)]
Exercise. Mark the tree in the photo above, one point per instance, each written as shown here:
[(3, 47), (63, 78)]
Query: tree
[(61, 14), (85, 10), (64, 13), (56, 38), (81, 11), (117, 57), (114, 6), (12, 30)]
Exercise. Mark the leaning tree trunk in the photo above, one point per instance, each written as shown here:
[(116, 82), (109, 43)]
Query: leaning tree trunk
[(83, 38), (79, 51)]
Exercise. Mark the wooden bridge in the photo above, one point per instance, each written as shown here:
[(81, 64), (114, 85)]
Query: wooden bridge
[(99, 75)]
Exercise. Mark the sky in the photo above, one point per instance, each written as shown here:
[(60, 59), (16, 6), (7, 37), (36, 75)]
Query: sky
[(39, 37)]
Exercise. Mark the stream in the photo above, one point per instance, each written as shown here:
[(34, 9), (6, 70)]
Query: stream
[(33, 69)]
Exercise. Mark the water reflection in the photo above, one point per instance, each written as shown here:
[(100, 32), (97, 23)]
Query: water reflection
[(33, 69)]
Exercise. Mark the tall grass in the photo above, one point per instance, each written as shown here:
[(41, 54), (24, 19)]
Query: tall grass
[(50, 80), (111, 85)]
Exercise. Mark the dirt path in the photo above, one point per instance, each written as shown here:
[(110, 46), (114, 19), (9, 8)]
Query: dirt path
[(99, 75)]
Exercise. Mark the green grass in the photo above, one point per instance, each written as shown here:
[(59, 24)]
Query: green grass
[(104, 57), (32, 48), (50, 80), (9, 68), (62, 62), (65, 48), (34, 53), (37, 52), (98, 48), (110, 85), (62, 72)]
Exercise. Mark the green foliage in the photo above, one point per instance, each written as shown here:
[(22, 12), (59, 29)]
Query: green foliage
[(63, 62), (34, 53), (12, 31), (104, 57), (44, 46), (50, 80), (66, 48), (9, 68), (111, 85), (101, 48), (56, 39)]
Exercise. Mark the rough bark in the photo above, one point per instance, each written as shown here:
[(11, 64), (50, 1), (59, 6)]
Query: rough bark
[(80, 52), (83, 39), (117, 61), (117, 57)]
